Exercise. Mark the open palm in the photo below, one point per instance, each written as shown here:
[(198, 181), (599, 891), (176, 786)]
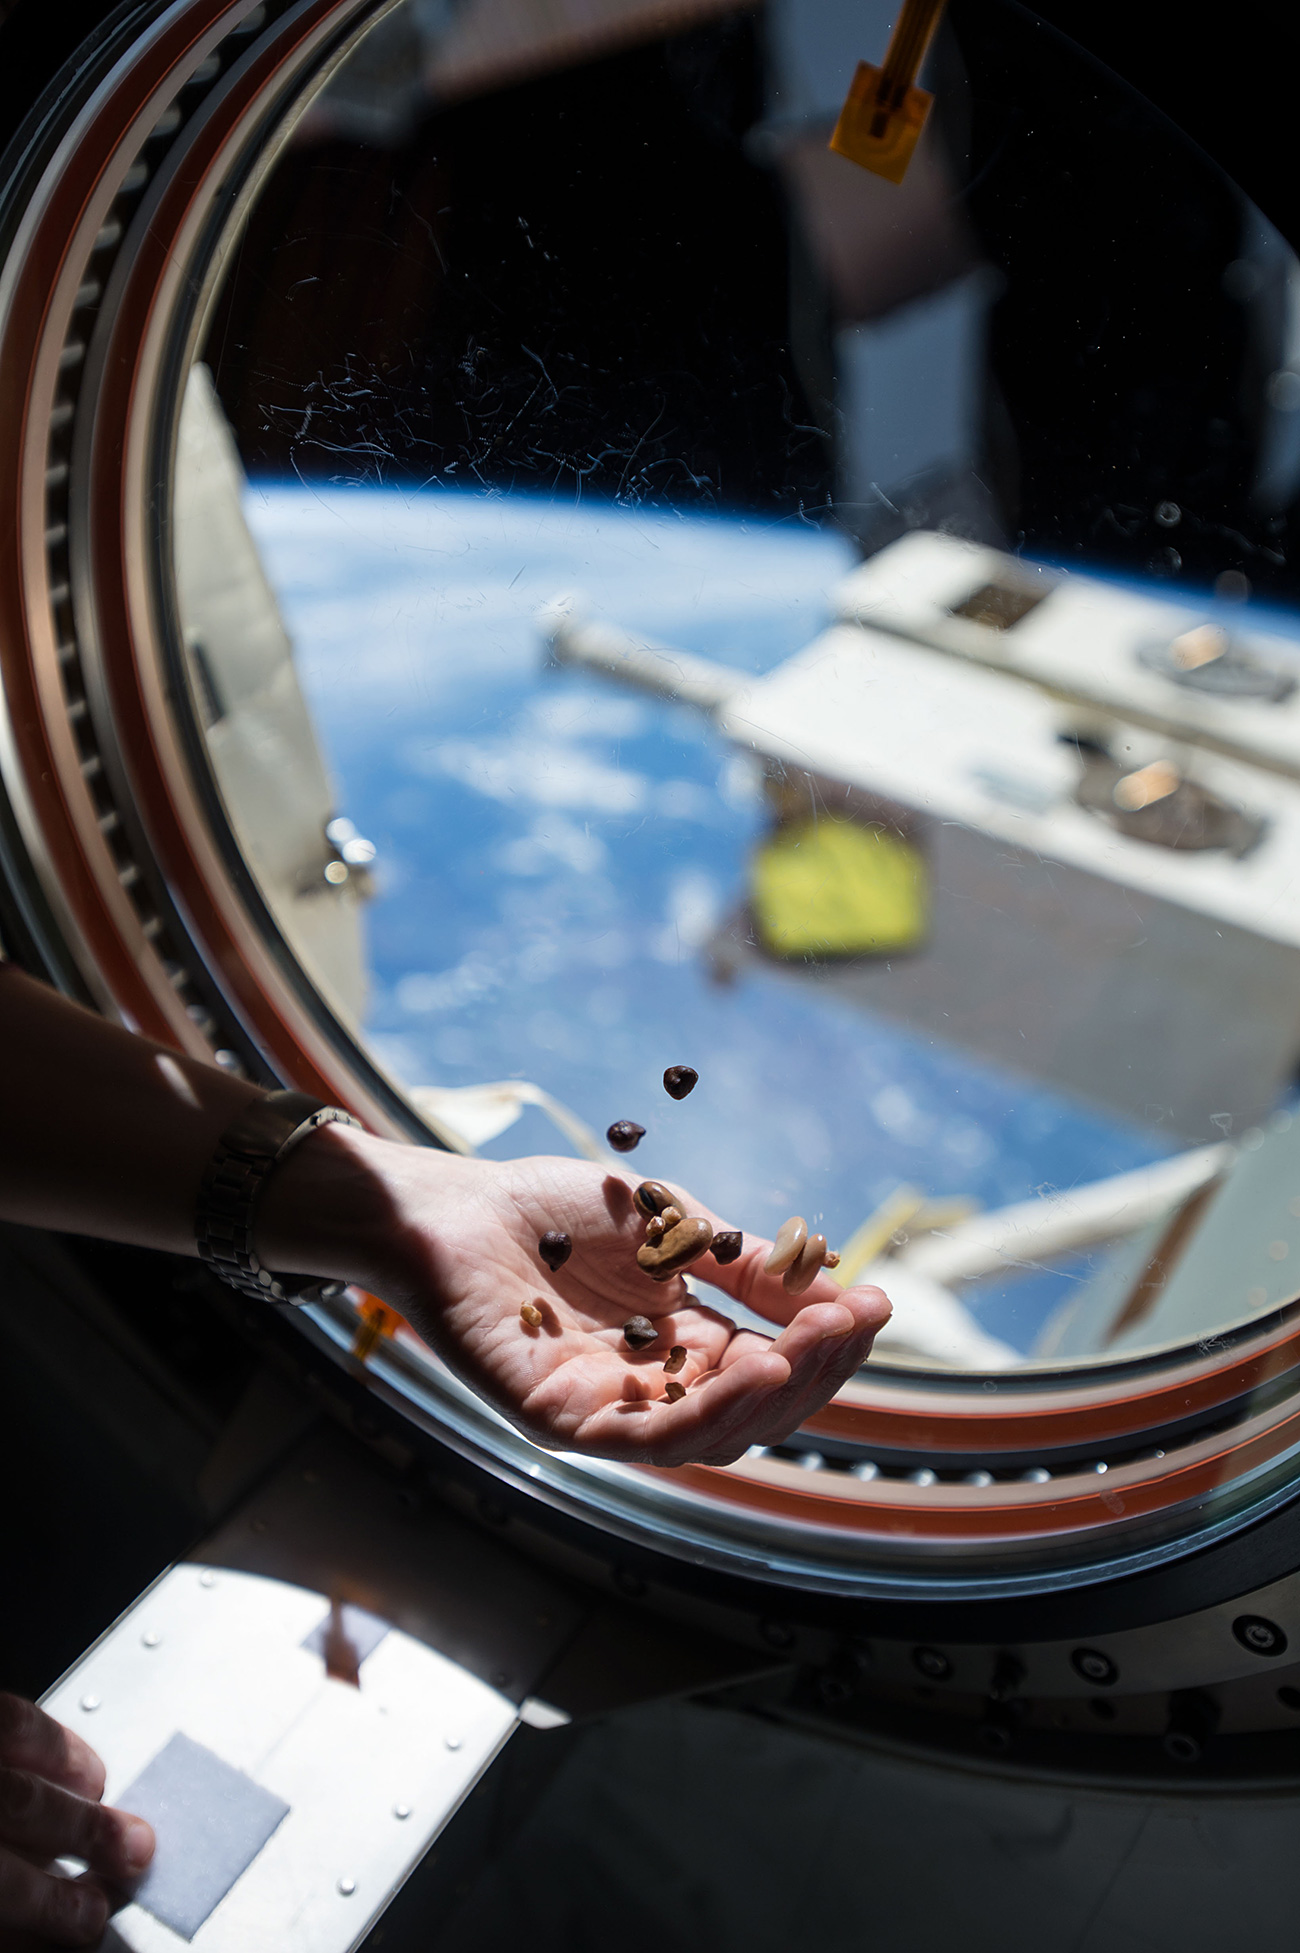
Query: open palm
[(572, 1382)]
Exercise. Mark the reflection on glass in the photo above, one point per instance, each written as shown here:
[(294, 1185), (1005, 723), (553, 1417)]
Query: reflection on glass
[(782, 622)]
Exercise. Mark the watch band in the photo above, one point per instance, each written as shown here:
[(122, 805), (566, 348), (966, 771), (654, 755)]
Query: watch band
[(233, 1182)]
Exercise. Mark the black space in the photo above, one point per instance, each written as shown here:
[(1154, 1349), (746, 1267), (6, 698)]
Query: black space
[(1124, 366), (530, 294)]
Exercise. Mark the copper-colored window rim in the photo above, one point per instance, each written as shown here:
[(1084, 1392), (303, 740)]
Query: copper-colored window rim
[(1025, 1412)]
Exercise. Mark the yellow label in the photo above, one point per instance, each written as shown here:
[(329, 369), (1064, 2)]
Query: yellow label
[(836, 888)]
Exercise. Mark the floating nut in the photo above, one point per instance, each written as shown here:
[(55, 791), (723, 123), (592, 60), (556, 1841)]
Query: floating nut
[(671, 1216), (676, 1359), (555, 1248), (807, 1267), (727, 1246), (651, 1197), (676, 1248), (674, 1392), (832, 1259), (639, 1332), (679, 1080), (790, 1237), (654, 1227), (532, 1315), (625, 1135)]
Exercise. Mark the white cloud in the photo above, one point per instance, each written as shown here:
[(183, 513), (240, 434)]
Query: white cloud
[(586, 715), (693, 909), (896, 1112), (423, 991), (685, 800), (549, 776), (554, 841)]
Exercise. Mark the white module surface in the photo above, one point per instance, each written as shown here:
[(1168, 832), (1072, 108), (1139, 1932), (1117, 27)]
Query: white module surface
[(346, 1786), (1084, 640), (1158, 980), (975, 747)]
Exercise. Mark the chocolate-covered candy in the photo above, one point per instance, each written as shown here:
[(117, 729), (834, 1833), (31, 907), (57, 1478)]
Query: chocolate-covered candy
[(625, 1135), (679, 1080), (555, 1247)]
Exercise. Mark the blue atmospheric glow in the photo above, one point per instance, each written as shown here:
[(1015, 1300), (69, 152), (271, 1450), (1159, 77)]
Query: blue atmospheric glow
[(553, 854)]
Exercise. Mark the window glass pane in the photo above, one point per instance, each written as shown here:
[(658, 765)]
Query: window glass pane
[(658, 593)]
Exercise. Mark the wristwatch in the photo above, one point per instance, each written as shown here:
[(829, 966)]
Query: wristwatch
[(233, 1182)]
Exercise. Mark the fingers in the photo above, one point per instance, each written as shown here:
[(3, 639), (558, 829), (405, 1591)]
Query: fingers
[(824, 1345), (761, 1396), (31, 1740), (43, 1822), (653, 1431), (61, 1911), (851, 1312)]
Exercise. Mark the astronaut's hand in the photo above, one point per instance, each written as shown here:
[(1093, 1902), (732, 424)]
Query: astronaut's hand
[(572, 1382), (453, 1244), (50, 1787)]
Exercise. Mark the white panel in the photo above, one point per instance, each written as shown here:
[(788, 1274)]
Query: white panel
[(218, 1656)]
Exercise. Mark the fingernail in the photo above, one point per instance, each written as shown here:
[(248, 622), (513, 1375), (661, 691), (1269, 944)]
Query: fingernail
[(139, 1843)]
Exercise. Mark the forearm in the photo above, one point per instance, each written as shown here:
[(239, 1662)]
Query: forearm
[(103, 1132)]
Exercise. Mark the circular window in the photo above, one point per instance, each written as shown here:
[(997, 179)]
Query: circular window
[(535, 570)]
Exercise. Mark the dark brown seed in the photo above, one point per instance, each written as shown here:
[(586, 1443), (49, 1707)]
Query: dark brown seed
[(676, 1249), (639, 1332), (651, 1197), (555, 1248), (625, 1135), (676, 1359), (727, 1246), (674, 1392), (679, 1080)]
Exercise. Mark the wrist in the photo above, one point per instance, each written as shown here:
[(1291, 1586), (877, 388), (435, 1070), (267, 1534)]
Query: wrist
[(339, 1208)]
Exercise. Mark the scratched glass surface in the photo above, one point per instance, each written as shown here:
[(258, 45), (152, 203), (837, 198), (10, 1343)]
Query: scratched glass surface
[(838, 635)]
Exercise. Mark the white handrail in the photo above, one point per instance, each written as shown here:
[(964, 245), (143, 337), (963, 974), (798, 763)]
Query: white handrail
[(576, 640), (1031, 1230)]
